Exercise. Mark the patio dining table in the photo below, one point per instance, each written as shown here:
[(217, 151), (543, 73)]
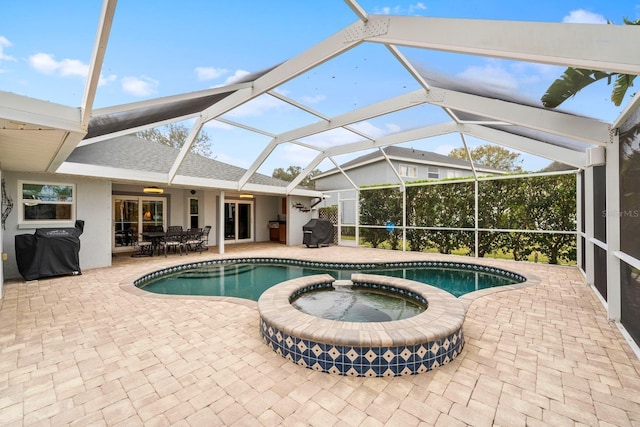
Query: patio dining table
[(155, 237)]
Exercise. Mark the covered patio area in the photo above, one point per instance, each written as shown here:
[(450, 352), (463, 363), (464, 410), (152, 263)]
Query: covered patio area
[(81, 350)]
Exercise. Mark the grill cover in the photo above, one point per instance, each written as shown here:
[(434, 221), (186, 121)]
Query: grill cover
[(317, 232), (49, 252)]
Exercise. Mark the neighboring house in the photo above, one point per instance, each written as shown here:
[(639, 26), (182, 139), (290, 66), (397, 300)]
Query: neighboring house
[(104, 184), (410, 165)]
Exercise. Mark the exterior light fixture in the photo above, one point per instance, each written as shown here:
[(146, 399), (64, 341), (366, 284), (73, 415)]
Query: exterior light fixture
[(246, 196), (153, 190)]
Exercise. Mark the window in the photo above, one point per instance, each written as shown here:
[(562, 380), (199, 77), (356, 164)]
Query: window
[(46, 202), (409, 171), (193, 213), (433, 172)]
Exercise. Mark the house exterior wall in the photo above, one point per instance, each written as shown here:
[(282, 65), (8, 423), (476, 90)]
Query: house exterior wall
[(266, 209), (93, 205), (296, 218), (94, 200), (381, 173)]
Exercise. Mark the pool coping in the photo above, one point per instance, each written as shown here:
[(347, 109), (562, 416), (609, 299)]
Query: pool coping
[(443, 316)]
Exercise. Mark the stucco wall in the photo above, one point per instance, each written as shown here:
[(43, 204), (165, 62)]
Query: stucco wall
[(381, 173), (266, 208), (296, 218), (93, 205)]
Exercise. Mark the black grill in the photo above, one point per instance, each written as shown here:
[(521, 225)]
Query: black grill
[(49, 252), (317, 232)]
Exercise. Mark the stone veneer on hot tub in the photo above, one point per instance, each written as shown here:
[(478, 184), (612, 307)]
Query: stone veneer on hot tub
[(401, 347)]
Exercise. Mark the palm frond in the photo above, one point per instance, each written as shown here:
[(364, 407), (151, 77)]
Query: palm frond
[(622, 84), (569, 84)]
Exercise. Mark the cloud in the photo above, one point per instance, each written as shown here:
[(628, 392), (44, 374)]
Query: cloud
[(331, 138), (297, 155), (258, 107), (238, 75), (209, 73), (102, 81), (47, 64), (581, 16), (5, 43), (399, 10), (417, 6), (140, 86), (43, 63), (369, 129), (491, 74), (313, 99)]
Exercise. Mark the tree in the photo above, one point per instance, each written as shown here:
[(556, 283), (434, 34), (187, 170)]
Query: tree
[(552, 205), (379, 207), (292, 172), (491, 156), (175, 135), (575, 79)]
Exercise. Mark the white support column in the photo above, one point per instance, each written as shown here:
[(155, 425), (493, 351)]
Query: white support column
[(589, 224), (220, 232), (579, 226), (357, 208), (404, 218), (613, 229), (476, 217)]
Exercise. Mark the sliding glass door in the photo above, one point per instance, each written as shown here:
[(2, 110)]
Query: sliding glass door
[(133, 215), (238, 221)]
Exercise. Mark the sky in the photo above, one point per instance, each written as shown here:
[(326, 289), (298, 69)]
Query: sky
[(162, 48)]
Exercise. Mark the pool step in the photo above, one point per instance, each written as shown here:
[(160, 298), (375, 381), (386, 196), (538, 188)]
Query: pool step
[(342, 283), (217, 271)]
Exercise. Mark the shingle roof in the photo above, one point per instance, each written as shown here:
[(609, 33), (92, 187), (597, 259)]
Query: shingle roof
[(408, 154), (130, 152)]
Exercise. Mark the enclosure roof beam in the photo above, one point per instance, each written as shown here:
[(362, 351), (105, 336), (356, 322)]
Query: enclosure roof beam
[(257, 163), (353, 184), (357, 9), (580, 128), (392, 139), (310, 167), (401, 102), (411, 135), (395, 172), (97, 58), (527, 145), (592, 46), (327, 49)]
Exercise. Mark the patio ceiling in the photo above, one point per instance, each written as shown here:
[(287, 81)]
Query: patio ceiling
[(38, 136)]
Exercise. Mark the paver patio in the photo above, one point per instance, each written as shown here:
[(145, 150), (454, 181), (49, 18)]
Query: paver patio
[(82, 350)]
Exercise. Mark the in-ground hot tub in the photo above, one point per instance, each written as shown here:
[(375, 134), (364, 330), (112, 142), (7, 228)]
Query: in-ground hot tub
[(373, 349)]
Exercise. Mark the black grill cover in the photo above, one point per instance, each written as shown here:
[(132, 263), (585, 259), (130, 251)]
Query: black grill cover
[(317, 232), (49, 252)]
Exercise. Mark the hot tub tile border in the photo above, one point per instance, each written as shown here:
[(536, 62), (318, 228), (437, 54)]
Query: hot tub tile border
[(356, 361)]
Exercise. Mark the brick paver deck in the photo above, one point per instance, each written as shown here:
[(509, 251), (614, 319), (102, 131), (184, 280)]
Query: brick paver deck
[(83, 351)]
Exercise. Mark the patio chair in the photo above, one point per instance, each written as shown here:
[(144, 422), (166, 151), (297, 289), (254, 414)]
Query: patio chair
[(205, 237), (193, 241), (142, 248), (173, 239)]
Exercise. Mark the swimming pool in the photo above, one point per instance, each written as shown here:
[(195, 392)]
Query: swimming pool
[(248, 278)]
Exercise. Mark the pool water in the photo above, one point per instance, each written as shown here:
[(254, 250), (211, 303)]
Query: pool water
[(356, 304), (250, 280)]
